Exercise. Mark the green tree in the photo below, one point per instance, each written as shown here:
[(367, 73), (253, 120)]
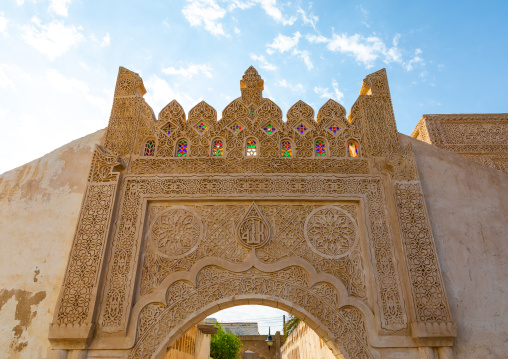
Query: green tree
[(290, 325), (224, 345)]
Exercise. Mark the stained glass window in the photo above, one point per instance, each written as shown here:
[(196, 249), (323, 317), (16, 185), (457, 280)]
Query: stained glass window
[(202, 127), (168, 129), (236, 128), (320, 148), (301, 128), (334, 129), (269, 129), (149, 148), (251, 147), (182, 148), (285, 149), (218, 148), (353, 148)]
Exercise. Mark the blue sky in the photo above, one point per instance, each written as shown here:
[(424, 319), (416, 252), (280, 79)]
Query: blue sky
[(59, 58)]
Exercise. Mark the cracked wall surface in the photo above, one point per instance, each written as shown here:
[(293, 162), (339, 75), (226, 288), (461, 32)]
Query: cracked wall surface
[(39, 207)]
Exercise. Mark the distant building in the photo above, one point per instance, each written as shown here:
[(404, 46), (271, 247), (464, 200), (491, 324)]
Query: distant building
[(239, 328)]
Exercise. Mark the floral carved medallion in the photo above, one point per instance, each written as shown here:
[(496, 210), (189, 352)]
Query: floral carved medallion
[(331, 232), (176, 232), (253, 230)]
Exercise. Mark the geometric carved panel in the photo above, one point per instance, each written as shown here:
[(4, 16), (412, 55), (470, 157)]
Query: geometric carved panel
[(223, 227)]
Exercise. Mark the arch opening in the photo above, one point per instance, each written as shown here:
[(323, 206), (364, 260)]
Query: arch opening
[(251, 324)]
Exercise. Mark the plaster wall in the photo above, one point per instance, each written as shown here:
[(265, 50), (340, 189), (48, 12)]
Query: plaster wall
[(39, 208), (304, 343), (468, 208)]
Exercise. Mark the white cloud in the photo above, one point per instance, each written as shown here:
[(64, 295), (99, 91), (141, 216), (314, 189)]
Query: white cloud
[(270, 7), (20, 2), (10, 75), (241, 4), (283, 43), (106, 40), (326, 93), (3, 24), (59, 7), (159, 94), (209, 14), (205, 13), (365, 50), (415, 61), (189, 71), (52, 40), (396, 39), (308, 19), (305, 56), (316, 39), (67, 85), (295, 88), (264, 64)]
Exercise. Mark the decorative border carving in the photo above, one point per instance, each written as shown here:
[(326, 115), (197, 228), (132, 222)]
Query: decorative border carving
[(248, 165)]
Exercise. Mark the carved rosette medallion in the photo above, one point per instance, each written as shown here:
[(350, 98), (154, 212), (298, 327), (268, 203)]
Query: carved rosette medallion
[(253, 230), (331, 232), (176, 232)]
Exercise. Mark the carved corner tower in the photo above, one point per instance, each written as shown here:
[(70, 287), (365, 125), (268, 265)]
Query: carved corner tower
[(184, 215)]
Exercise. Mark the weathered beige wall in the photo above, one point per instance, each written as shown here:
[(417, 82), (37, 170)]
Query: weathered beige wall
[(304, 343), (39, 207), (468, 208)]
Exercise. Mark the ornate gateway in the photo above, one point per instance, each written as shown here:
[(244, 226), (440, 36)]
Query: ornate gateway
[(324, 217)]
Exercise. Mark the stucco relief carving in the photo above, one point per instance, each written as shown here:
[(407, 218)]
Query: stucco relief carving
[(118, 287), (284, 222), (101, 169), (253, 229), (214, 284), (427, 287), (176, 232), (179, 209), (331, 232), (479, 137), (78, 293), (86, 257)]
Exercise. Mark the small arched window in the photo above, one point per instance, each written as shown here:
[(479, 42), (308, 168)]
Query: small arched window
[(217, 148), (251, 147), (320, 147), (149, 149), (182, 148), (286, 149), (353, 148)]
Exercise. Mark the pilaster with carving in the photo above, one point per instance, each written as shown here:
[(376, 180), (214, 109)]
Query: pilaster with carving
[(433, 325), (73, 321)]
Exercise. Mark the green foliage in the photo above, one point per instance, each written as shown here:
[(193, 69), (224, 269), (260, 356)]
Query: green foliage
[(224, 345), (290, 325)]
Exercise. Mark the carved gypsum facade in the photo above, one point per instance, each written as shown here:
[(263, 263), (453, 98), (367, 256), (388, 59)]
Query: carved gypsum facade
[(322, 216), (482, 138)]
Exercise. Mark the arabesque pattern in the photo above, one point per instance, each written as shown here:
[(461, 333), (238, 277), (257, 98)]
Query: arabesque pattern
[(284, 238)]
